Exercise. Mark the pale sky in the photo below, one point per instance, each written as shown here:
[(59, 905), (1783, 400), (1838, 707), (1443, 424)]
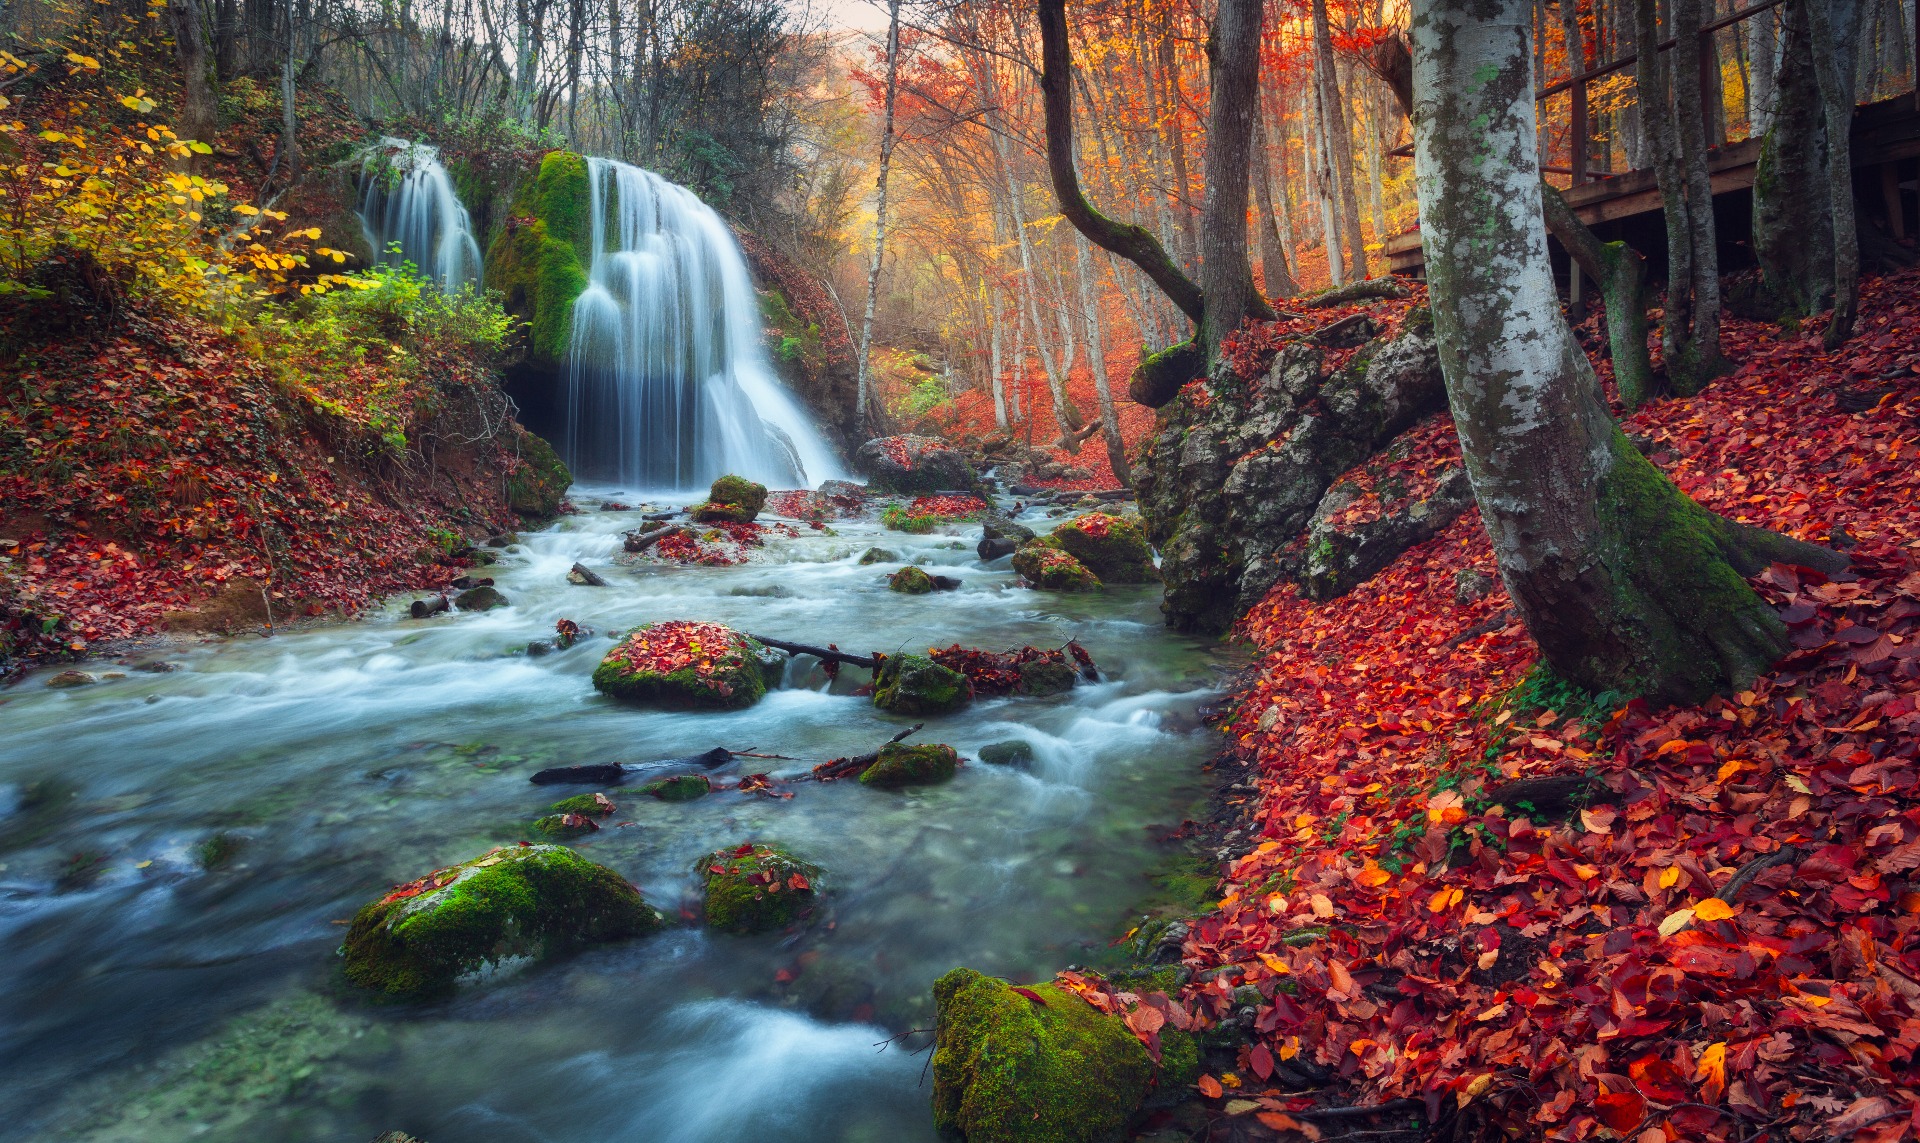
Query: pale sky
[(856, 15)]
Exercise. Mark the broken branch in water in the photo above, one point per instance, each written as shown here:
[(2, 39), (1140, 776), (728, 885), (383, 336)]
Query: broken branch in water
[(829, 654), (857, 765), (613, 773)]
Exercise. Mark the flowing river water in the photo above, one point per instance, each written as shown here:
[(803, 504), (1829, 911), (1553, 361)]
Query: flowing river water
[(146, 996)]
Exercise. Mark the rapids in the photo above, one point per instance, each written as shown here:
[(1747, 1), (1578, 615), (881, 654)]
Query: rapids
[(144, 996)]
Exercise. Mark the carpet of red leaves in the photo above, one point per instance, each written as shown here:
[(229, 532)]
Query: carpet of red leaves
[(718, 545), (947, 507), (677, 644), (1568, 978)]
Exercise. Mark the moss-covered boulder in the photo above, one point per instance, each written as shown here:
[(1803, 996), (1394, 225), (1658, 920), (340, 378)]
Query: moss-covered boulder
[(541, 257), (575, 816), (757, 888), (746, 495), (482, 598), (878, 556), (902, 765), (679, 788), (1111, 547), (1042, 677), (534, 901), (914, 684), (1047, 567), (910, 580), (684, 665), (538, 483), (1036, 1066), (1013, 752)]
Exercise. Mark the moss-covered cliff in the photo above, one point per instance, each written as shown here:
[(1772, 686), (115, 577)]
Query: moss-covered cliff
[(540, 255)]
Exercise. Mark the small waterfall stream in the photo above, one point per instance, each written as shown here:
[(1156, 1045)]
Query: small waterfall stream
[(669, 384), (407, 200)]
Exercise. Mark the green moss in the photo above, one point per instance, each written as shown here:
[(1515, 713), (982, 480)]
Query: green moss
[(519, 901), (758, 888), (679, 788), (910, 580), (1008, 1069), (1043, 677), (717, 513), (539, 261), (581, 804), (902, 765), (736, 677), (740, 492), (1160, 376), (898, 518), (557, 826), (482, 598), (878, 556), (536, 488), (914, 684), (1042, 564), (1013, 752)]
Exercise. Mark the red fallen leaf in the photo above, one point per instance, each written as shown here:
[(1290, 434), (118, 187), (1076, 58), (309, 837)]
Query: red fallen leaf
[(798, 882), (1210, 1087), (1621, 1110), (743, 850), (1657, 1077), (1261, 1061), (1798, 612), (1280, 1121), (1856, 634), (1145, 1021), (1859, 1114), (1030, 994)]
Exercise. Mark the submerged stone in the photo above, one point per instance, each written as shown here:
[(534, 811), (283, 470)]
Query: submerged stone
[(1047, 677), (1013, 752), (679, 788), (1050, 569), (479, 599), (1037, 1066), (572, 817), (83, 679), (902, 765), (756, 888), (914, 684), (878, 556), (528, 900), (910, 580), (685, 665), (1112, 547)]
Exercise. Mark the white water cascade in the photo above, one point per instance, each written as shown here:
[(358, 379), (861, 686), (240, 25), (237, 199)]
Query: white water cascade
[(408, 201), (669, 384)]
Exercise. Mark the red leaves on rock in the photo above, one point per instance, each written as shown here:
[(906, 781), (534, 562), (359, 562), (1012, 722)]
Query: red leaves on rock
[(677, 644), (947, 507), (999, 673)]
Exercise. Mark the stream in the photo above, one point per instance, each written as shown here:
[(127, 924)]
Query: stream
[(179, 853)]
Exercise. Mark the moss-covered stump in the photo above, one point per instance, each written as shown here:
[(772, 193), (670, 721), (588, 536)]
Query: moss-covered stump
[(684, 665), (758, 888), (540, 259), (914, 684), (572, 817), (1050, 569), (1112, 547), (481, 598), (536, 487), (902, 765), (1010, 1069), (679, 788), (910, 580), (518, 901)]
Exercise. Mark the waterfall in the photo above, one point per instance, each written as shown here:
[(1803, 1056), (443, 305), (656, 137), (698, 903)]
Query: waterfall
[(409, 201), (669, 384)]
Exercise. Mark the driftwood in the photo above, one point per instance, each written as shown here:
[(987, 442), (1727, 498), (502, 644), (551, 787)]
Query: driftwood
[(657, 517), (641, 541), (432, 605), (1112, 494), (826, 653), (582, 576), (613, 773), (857, 765), (993, 549)]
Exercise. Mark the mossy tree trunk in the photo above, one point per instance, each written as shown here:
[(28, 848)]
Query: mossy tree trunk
[(1792, 221), (1835, 24), (1624, 582), (1621, 273)]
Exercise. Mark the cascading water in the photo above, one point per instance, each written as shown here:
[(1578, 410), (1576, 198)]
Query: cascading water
[(411, 213), (669, 385)]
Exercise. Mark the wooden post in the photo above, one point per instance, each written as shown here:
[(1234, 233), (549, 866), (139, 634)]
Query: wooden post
[(1890, 198)]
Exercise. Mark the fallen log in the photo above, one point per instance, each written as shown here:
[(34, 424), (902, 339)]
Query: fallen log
[(582, 576), (993, 549), (1113, 494), (855, 766), (432, 605), (1370, 289), (613, 773), (825, 653), (656, 517), (640, 542)]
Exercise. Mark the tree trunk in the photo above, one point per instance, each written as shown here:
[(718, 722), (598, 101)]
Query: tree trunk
[(1792, 224), (1621, 274), (1278, 279), (1625, 583), (199, 112), (1339, 140), (863, 383), (1834, 23), (1226, 277), (1323, 190), (1097, 361)]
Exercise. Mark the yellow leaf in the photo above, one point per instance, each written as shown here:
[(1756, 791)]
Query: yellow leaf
[(1493, 1013), (87, 62), (1586, 872), (243, 208), (1291, 1048), (1728, 769), (1322, 908), (1713, 909), (1445, 899), (1675, 921), (1797, 784)]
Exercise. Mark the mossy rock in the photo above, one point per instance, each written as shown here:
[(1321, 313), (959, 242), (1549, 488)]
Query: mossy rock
[(910, 580), (679, 788), (581, 808), (687, 666), (746, 495), (536, 488), (479, 599), (878, 556), (1010, 1069), (1111, 547), (1013, 752), (535, 900), (915, 684), (758, 888), (902, 765), (1047, 677), (1050, 569), (565, 826), (540, 259), (714, 512)]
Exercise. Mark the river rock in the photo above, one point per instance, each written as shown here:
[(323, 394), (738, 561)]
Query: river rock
[(83, 679), (582, 576), (1041, 1065), (575, 816), (535, 900), (1340, 558), (732, 499), (679, 788), (910, 580), (688, 666), (878, 556), (914, 464), (1051, 569), (481, 598), (916, 685), (758, 888), (1041, 677), (997, 526), (1013, 752), (991, 549), (901, 765), (1111, 547)]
